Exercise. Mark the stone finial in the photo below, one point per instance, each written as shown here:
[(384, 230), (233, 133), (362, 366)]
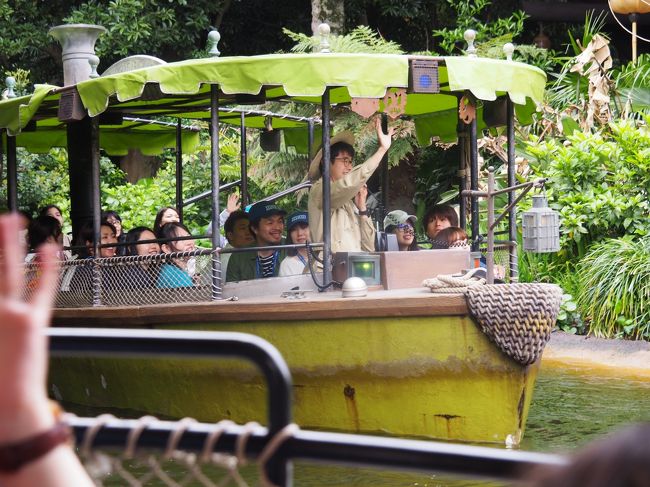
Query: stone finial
[(470, 36), (213, 40), (324, 31), (509, 49), (10, 81), (94, 62)]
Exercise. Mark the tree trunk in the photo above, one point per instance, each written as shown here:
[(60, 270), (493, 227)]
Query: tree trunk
[(331, 12)]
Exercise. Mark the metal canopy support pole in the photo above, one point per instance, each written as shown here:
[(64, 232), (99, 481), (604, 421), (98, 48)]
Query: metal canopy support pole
[(473, 157), (384, 172), (96, 209), (214, 166), (489, 256), (327, 217), (310, 141), (80, 173), (179, 170), (12, 174), (244, 161), (512, 213), (462, 175)]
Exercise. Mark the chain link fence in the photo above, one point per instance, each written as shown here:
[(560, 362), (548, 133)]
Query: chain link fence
[(132, 280)]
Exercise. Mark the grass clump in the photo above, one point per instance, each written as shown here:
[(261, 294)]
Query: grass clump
[(615, 288)]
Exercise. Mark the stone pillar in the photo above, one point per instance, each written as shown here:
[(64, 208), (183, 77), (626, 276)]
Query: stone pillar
[(78, 44)]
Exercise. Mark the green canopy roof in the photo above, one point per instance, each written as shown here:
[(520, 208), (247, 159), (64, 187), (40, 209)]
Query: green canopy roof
[(182, 90), (33, 120)]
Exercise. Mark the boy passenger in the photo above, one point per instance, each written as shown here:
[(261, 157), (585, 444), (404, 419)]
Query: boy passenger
[(351, 227), (267, 225)]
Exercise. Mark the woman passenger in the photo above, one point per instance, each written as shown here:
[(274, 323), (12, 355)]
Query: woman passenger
[(176, 272), (142, 273), (165, 215), (403, 226), (55, 212), (297, 233)]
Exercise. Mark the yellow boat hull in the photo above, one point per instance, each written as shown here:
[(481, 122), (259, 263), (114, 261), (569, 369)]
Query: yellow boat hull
[(420, 376)]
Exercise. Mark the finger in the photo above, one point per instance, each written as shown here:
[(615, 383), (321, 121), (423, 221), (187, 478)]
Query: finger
[(11, 257), (43, 297)]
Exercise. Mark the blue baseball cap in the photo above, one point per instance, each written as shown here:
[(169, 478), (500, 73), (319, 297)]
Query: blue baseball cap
[(297, 217), (264, 209)]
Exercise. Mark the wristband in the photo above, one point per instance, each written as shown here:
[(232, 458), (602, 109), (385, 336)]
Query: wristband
[(363, 213), (14, 456)]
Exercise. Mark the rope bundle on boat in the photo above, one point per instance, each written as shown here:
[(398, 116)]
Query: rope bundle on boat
[(454, 284), (518, 318)]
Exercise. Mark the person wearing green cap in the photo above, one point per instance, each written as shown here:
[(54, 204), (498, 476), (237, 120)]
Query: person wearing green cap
[(267, 225)]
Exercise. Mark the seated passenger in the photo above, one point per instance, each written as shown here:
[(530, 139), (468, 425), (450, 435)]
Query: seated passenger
[(55, 211), (238, 233), (165, 215), (297, 233), (114, 219), (232, 206), (450, 237), (267, 226), (42, 230), (177, 272), (108, 235), (144, 273), (438, 218), (403, 226), (80, 277)]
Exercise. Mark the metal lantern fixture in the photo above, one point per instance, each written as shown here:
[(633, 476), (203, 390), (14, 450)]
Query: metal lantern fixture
[(541, 227)]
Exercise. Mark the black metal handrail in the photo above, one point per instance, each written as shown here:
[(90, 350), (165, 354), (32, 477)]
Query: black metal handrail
[(94, 342)]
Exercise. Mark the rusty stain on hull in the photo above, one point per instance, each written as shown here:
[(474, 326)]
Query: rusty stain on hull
[(351, 405), (448, 420)]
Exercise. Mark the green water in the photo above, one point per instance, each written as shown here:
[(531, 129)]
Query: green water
[(570, 407)]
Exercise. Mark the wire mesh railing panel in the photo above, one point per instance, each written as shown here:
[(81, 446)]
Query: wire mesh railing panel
[(134, 280)]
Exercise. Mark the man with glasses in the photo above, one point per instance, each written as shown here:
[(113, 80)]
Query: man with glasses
[(352, 229)]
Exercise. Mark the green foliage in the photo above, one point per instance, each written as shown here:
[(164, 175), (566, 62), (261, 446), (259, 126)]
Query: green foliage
[(361, 39), (148, 26), (470, 14), (138, 203), (615, 287), (598, 182)]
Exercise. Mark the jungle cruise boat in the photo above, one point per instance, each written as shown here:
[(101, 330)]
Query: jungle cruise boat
[(386, 356)]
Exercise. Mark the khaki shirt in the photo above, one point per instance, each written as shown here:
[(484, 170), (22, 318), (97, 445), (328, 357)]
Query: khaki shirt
[(350, 231)]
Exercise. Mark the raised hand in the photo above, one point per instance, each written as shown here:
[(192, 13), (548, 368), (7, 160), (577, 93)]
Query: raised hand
[(384, 140), (233, 203)]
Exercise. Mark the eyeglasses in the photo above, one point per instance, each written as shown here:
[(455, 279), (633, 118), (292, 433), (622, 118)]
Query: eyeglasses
[(344, 160), (406, 228)]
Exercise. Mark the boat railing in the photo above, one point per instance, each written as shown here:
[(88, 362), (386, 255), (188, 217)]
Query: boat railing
[(177, 277), (197, 445)]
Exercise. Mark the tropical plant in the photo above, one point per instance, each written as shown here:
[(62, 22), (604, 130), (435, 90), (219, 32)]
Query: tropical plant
[(599, 182), (360, 39), (615, 288)]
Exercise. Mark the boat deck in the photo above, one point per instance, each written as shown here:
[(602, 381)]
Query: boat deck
[(326, 305)]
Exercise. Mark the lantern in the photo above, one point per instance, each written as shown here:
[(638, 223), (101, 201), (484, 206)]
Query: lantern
[(541, 227)]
